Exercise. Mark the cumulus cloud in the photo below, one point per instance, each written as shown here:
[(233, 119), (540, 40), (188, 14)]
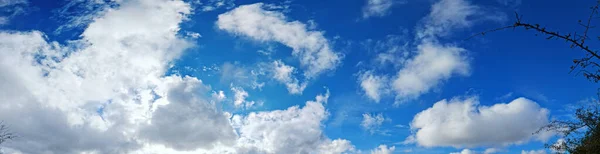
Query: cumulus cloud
[(464, 123), (377, 8), (188, 120), (107, 92), (383, 149), (294, 130), (373, 85), (434, 64), (310, 47)]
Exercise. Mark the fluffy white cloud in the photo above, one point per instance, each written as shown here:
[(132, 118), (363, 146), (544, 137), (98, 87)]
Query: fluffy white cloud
[(434, 64), (373, 85), (107, 92), (239, 98), (311, 48), (377, 8), (372, 122), (383, 149), (541, 151), (294, 130), (285, 74), (463, 123)]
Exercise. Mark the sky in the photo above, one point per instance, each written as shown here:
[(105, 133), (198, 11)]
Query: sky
[(310, 76)]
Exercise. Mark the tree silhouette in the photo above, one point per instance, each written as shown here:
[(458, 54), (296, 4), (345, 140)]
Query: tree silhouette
[(587, 65), (5, 133), (582, 135)]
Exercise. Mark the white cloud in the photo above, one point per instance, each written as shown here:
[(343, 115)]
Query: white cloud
[(285, 74), (469, 151), (377, 8), (383, 149), (107, 92), (219, 96), (447, 15), (491, 151), (465, 151), (432, 65), (294, 130), (463, 123), (372, 122), (541, 151), (211, 5), (373, 85), (311, 48), (559, 146), (433, 62), (239, 98)]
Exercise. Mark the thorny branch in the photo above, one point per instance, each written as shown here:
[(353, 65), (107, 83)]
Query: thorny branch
[(588, 65)]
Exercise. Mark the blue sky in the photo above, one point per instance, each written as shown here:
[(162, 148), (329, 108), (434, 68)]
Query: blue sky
[(245, 76)]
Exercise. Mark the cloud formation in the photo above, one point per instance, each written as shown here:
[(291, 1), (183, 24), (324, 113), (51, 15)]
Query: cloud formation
[(377, 8), (464, 123), (431, 62), (310, 47), (294, 130), (383, 149), (108, 93), (372, 122)]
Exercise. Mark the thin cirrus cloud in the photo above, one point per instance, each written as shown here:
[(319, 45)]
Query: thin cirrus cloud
[(372, 122), (378, 8)]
